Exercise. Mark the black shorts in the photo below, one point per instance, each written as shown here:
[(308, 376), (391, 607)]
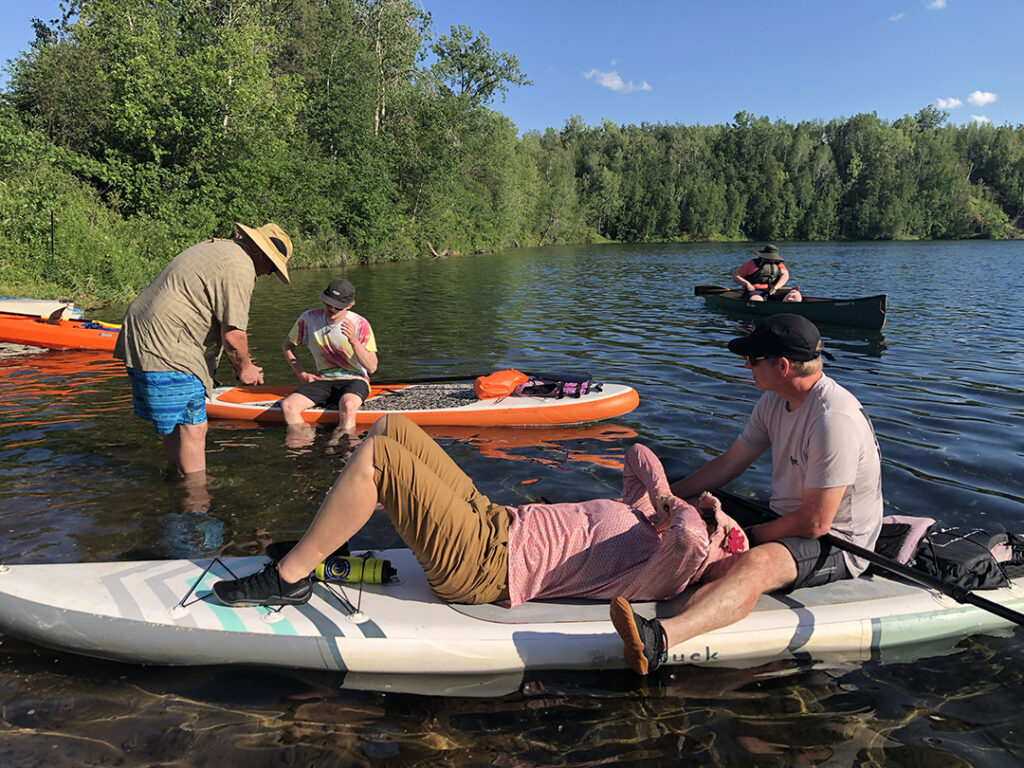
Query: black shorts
[(327, 392), (817, 562), (779, 295)]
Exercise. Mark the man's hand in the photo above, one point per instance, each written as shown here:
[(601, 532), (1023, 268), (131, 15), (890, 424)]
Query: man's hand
[(663, 506), (349, 329), (250, 374)]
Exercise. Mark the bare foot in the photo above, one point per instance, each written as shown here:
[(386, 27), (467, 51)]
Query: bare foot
[(299, 435)]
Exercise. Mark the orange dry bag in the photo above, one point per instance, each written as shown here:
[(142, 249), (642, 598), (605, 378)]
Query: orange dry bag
[(499, 383)]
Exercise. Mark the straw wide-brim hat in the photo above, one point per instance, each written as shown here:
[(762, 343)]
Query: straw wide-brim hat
[(272, 240), (768, 253)]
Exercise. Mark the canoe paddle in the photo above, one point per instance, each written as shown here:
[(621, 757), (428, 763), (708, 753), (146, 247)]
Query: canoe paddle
[(962, 595), (435, 380), (469, 377), (708, 290)]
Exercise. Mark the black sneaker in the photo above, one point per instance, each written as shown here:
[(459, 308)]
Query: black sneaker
[(643, 639), (263, 588)]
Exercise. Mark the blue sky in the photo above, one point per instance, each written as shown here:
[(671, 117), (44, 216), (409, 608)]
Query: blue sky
[(702, 61)]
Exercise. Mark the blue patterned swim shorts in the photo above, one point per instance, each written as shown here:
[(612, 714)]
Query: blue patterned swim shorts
[(167, 398)]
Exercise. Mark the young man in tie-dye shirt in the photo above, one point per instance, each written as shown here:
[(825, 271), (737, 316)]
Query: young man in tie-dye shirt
[(344, 351)]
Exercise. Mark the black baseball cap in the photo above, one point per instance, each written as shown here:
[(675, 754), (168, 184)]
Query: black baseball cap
[(790, 336), (340, 293)]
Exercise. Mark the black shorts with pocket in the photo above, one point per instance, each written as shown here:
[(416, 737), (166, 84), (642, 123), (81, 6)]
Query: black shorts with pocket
[(817, 562), (326, 393)]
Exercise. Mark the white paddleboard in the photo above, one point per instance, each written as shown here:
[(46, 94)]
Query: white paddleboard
[(131, 611), (15, 305)]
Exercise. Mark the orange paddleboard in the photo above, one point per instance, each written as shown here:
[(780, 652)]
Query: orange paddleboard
[(452, 404)]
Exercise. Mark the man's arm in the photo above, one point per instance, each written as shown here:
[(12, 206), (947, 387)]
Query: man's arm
[(236, 347), (717, 472), (364, 356), (295, 364), (739, 278), (783, 278), (813, 518)]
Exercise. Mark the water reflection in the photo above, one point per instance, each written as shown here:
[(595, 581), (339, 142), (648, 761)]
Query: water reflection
[(775, 714)]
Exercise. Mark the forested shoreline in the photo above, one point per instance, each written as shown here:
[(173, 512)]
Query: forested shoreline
[(130, 129)]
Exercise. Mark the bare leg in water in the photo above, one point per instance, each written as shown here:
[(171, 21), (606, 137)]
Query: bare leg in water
[(346, 509), (185, 448)]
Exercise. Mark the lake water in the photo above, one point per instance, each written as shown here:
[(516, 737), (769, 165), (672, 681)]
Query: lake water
[(80, 479)]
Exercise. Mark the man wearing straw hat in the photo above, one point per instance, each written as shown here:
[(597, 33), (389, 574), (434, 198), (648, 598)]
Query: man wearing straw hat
[(175, 331)]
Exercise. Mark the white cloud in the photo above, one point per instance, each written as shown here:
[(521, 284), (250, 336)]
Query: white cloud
[(980, 119), (935, 5), (612, 81), (948, 103), (981, 98), (897, 17)]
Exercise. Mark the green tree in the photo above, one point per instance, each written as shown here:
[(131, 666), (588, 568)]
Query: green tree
[(469, 68), (395, 30), (930, 118)]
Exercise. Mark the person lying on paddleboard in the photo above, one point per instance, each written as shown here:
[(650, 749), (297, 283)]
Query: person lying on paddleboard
[(763, 278), (344, 351), (649, 546), (826, 478)]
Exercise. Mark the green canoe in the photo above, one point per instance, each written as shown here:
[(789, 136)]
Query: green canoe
[(865, 312)]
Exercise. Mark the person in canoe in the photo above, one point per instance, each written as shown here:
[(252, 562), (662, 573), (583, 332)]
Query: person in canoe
[(345, 354), (650, 545), (173, 334), (764, 277), (826, 478)]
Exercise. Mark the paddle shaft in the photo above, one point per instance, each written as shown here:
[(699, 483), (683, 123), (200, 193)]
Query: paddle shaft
[(706, 290), (448, 379), (434, 379), (962, 595)]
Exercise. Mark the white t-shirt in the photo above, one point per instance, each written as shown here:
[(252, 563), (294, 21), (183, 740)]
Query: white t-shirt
[(826, 442)]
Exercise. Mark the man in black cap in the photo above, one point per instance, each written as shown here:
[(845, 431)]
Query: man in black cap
[(826, 478), (344, 352), (764, 276)]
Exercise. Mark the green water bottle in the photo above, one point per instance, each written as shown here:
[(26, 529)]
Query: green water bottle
[(369, 570)]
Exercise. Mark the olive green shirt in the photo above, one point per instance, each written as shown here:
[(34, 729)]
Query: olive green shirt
[(175, 324)]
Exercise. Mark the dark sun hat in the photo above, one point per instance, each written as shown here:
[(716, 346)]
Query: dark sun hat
[(769, 253), (340, 293), (790, 336)]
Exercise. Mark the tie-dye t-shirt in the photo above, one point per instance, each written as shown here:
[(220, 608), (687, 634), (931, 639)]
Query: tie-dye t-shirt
[(331, 350)]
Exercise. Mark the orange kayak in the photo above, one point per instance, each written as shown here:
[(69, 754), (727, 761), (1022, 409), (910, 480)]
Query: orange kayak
[(433, 404), (64, 334)]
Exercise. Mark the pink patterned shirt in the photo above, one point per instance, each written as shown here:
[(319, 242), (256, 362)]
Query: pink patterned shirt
[(603, 548)]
